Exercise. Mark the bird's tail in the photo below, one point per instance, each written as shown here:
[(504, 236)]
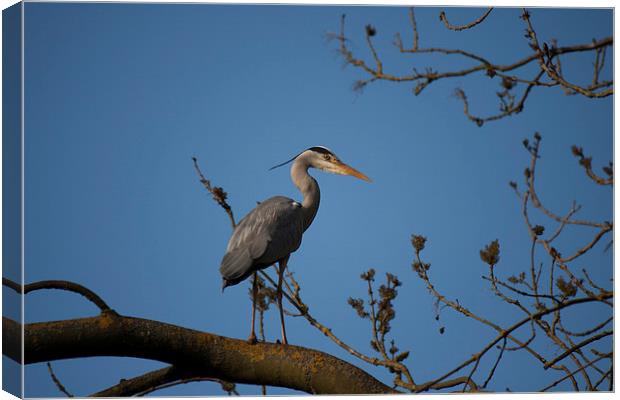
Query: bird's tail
[(235, 267), (225, 284)]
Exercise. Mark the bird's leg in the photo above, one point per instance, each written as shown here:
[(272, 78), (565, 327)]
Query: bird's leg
[(252, 338), (280, 277)]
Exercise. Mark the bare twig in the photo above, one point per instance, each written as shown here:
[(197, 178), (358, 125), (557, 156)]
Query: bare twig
[(599, 63), (444, 19), (606, 375), (495, 281), (601, 357), (547, 66), (506, 110), (219, 195), (530, 181), (157, 380), (586, 163), (59, 384), (574, 209), (414, 26), (499, 358), (228, 387), (484, 65), (298, 303), (587, 331), (60, 285), (578, 346), (506, 332), (591, 282), (471, 373)]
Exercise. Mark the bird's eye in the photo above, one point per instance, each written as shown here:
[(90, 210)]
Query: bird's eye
[(326, 157)]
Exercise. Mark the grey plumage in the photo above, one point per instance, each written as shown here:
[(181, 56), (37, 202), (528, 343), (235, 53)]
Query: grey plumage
[(270, 232)]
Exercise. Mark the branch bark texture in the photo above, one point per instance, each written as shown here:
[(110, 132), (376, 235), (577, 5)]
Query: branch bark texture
[(233, 360)]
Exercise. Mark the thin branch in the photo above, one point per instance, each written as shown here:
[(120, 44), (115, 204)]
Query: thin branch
[(588, 331), (577, 347), (157, 380), (591, 282), (373, 321), (579, 352), (471, 373), (606, 375), (370, 32), (549, 68), (506, 332), (59, 384), (515, 290), (527, 342), (60, 285), (325, 330), (599, 63), (574, 209), (138, 384), (581, 251), (586, 163), (466, 312), (499, 358), (536, 202), (226, 386), (601, 357), (423, 80), (506, 110), (585, 290), (533, 272), (297, 302), (444, 19), (414, 26), (219, 195)]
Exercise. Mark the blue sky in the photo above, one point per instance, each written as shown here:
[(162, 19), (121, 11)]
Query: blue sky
[(120, 97)]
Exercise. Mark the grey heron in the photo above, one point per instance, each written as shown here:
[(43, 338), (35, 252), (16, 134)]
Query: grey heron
[(273, 230)]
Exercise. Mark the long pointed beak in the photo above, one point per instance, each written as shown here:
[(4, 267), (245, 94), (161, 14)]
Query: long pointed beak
[(344, 169)]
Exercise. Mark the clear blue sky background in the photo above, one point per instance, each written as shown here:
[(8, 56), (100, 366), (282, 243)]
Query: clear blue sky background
[(120, 97)]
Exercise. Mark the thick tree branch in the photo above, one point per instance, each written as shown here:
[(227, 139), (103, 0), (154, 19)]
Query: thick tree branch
[(206, 354)]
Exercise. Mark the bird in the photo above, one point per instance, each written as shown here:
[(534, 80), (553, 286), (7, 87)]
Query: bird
[(274, 228)]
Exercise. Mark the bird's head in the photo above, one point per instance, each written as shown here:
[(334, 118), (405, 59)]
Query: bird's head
[(322, 158)]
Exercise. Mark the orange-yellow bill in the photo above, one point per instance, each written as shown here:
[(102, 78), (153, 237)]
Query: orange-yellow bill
[(347, 170)]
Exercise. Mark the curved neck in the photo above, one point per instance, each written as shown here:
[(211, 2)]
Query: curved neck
[(308, 187)]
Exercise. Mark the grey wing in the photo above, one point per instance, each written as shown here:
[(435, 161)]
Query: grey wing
[(270, 232)]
